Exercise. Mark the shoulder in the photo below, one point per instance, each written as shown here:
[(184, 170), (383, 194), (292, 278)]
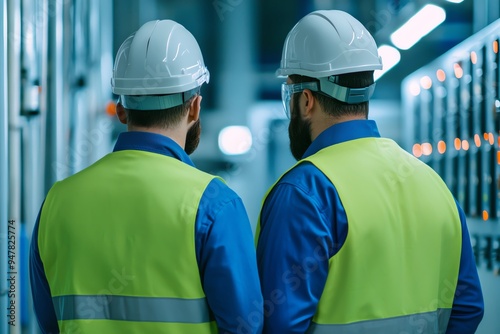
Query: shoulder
[(217, 195), (300, 173), (305, 179), (217, 189)]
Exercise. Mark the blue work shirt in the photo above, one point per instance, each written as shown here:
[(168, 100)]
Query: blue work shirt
[(303, 220), (225, 250)]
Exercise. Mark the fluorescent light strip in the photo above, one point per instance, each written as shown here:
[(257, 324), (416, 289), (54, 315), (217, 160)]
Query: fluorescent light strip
[(390, 57), (455, 1), (422, 23)]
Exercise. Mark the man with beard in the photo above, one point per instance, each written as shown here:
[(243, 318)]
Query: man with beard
[(359, 236), (142, 241)]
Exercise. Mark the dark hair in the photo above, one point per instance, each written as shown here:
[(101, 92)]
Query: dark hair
[(164, 118), (335, 107)]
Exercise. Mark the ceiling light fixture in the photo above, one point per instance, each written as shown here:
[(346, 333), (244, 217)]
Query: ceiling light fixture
[(419, 25)]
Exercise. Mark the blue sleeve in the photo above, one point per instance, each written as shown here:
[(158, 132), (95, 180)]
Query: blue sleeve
[(40, 290), (226, 257), (468, 304), (300, 231)]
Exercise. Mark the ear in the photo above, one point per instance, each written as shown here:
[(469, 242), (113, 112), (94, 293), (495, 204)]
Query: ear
[(194, 109), (308, 100), (120, 112)]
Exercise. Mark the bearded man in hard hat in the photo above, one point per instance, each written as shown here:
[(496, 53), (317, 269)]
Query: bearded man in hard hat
[(375, 242), (142, 241)]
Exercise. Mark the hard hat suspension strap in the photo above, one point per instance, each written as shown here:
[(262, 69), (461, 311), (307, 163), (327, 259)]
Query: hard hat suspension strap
[(345, 94), (157, 102)]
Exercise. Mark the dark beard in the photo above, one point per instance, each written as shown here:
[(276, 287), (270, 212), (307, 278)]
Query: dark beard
[(193, 138), (299, 132)]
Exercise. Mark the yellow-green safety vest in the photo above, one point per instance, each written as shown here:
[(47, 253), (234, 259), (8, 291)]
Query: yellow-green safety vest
[(117, 241), (397, 270)]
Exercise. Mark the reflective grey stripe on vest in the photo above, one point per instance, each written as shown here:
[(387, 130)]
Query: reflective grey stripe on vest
[(152, 309), (423, 323)]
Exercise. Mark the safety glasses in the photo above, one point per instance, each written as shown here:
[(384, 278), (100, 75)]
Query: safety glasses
[(287, 90)]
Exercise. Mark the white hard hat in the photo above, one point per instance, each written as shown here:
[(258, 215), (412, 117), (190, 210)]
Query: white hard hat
[(328, 42), (157, 65), (324, 44)]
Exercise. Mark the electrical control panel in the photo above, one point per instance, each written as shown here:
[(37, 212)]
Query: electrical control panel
[(451, 112)]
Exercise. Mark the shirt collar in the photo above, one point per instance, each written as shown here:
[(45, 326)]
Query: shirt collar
[(151, 142), (342, 132)]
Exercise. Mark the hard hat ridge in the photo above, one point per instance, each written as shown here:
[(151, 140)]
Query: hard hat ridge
[(328, 42)]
